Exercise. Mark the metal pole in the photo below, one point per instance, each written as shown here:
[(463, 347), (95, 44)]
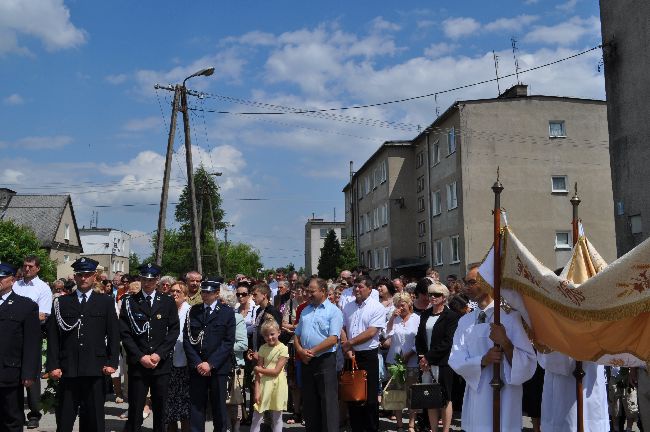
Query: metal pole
[(164, 195), (196, 237), (214, 233), (578, 372), (496, 382)]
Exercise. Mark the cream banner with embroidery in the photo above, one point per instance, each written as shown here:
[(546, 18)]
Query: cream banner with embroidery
[(591, 312)]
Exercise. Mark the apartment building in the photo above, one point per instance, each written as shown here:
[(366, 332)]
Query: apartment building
[(315, 232), (108, 246)]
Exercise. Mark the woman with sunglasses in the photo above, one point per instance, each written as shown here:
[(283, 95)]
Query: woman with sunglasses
[(433, 343), (247, 308)]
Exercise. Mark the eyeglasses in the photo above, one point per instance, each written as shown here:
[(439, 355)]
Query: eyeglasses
[(241, 294), (436, 295), (470, 282)]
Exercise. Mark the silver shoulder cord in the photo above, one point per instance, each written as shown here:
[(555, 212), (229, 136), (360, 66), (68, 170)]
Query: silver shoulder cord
[(134, 326), (199, 338), (62, 324)]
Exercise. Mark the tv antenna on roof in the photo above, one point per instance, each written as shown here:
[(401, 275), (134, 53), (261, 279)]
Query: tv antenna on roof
[(496, 70), (513, 41)]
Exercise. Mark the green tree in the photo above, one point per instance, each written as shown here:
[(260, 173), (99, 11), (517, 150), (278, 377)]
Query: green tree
[(239, 258), (16, 242), (330, 256), (207, 192), (134, 263), (177, 253), (348, 256)]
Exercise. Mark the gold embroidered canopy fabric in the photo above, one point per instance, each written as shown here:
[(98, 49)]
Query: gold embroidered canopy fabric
[(591, 311)]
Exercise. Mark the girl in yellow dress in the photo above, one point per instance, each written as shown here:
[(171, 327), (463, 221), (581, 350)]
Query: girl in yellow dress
[(271, 391)]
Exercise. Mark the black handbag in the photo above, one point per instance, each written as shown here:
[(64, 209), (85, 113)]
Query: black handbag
[(426, 396)]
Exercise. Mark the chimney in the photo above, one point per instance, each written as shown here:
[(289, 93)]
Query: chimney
[(517, 90), (5, 197)]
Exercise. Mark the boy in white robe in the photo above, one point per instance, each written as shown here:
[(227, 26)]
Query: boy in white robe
[(473, 354), (559, 406)]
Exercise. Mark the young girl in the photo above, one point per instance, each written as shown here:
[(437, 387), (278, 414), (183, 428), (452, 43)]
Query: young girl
[(271, 391)]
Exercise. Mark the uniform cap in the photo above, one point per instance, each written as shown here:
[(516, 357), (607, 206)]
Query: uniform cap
[(85, 265)]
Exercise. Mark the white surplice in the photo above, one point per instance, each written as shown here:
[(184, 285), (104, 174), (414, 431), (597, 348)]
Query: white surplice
[(559, 406), (471, 342)]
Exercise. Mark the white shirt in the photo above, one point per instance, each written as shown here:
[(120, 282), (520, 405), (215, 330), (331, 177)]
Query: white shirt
[(559, 406), (249, 319), (80, 294), (347, 296), (402, 339), (358, 318), (38, 291), (4, 297), (179, 352), (211, 305), (471, 342)]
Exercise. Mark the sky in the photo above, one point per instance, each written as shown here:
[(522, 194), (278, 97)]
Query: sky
[(80, 115)]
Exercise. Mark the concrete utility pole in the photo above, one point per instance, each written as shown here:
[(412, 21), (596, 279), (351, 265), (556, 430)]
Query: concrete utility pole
[(196, 238), (165, 188)]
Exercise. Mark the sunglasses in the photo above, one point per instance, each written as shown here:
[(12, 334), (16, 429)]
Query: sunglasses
[(436, 295), (241, 294)]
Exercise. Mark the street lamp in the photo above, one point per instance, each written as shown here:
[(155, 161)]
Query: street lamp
[(203, 72)]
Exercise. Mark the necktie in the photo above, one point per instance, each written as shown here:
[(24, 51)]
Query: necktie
[(481, 317), (83, 300), (149, 300), (206, 313)]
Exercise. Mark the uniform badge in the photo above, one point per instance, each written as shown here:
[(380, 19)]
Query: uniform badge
[(158, 316), (10, 302)]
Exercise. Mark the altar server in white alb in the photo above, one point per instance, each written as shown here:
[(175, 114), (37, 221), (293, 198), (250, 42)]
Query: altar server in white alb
[(559, 405), (473, 355)]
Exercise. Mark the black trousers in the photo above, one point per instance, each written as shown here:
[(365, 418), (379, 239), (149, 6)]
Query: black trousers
[(201, 387), (11, 409), (34, 400), (85, 395), (139, 386), (320, 394), (365, 417)]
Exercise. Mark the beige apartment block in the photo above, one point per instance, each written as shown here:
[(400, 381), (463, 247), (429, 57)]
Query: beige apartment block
[(315, 232), (542, 146)]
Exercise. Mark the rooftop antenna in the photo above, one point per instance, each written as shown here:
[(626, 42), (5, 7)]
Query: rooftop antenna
[(513, 41), (334, 214), (496, 70), (435, 97)]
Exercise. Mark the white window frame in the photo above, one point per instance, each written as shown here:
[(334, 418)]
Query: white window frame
[(562, 124), (436, 199), (369, 263), (452, 196), (435, 150), (636, 224), (384, 214), (66, 231), (422, 249), (422, 228), (375, 218), (361, 227), (420, 184), (421, 204), (368, 222), (384, 171), (321, 232), (366, 184), (419, 159), (566, 184), (455, 254), (375, 178), (375, 259), (66, 258), (561, 245), (451, 141), (437, 253), (386, 257)]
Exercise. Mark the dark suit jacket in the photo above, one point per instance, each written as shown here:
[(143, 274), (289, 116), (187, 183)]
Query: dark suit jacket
[(86, 350), (218, 338), (20, 356), (442, 336), (161, 337)]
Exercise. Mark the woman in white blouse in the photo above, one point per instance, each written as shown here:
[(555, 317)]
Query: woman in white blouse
[(401, 331)]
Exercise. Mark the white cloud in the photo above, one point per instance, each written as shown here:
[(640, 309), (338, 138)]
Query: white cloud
[(456, 28), (140, 243), (142, 124), (425, 24), (11, 176), (380, 24), (39, 142), (45, 20), (13, 99), (569, 5), (510, 24), (116, 79), (439, 49), (531, 2), (566, 33)]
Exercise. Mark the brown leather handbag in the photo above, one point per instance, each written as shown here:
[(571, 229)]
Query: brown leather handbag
[(353, 384)]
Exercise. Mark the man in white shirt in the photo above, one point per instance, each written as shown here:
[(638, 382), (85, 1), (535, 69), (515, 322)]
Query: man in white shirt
[(474, 353), (347, 295), (363, 319), (31, 286)]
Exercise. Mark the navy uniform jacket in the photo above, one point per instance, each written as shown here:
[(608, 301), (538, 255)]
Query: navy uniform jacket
[(216, 346), (20, 356), (92, 344), (162, 320)]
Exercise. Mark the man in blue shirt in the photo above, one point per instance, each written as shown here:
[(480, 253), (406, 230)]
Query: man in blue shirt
[(315, 342)]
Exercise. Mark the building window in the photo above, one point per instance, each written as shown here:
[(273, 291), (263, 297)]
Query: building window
[(369, 256), (386, 257), (66, 232), (375, 178), (562, 240), (559, 184), (360, 190), (66, 258), (451, 141), (635, 224), (419, 159), (384, 214), (437, 252), (420, 204), (366, 184), (452, 199), (436, 199), (422, 228), (323, 232), (435, 153), (556, 129), (362, 258), (375, 218), (455, 249), (422, 249), (361, 227), (383, 171), (420, 184), (344, 233), (376, 257), (368, 222)]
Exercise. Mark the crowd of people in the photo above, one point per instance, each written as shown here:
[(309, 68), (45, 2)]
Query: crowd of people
[(244, 351)]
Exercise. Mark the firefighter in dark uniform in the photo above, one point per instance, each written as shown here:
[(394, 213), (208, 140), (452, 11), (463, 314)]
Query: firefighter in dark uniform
[(83, 345), (149, 328), (208, 340), (20, 363)]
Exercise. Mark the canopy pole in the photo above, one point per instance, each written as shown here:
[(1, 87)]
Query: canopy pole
[(496, 382), (578, 372)]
